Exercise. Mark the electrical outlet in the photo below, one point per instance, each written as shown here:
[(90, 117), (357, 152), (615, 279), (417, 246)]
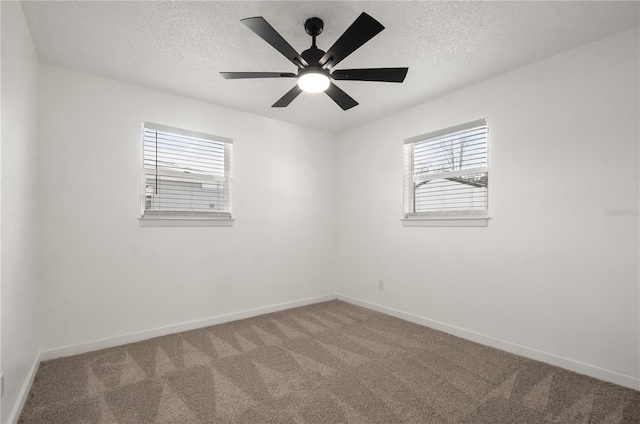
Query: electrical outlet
[(381, 284), (2, 385)]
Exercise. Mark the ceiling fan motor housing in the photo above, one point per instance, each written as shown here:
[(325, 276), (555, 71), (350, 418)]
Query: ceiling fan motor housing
[(313, 69), (312, 55)]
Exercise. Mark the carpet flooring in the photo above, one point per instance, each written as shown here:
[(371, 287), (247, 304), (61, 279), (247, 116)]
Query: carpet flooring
[(325, 363)]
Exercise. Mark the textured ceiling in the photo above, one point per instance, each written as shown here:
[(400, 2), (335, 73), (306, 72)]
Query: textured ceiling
[(179, 47)]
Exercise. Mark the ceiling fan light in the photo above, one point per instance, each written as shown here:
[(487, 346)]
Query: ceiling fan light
[(313, 82)]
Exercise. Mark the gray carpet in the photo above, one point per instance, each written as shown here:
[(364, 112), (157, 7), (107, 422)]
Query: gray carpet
[(326, 363)]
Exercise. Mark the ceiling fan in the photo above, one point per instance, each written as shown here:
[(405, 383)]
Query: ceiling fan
[(315, 66)]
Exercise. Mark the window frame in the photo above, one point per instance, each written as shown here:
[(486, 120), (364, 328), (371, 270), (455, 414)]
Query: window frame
[(185, 219), (470, 218)]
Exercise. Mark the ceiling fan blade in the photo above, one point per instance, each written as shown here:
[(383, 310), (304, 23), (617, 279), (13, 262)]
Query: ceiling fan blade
[(373, 74), (362, 30), (340, 97), (261, 27), (238, 75), (288, 98)]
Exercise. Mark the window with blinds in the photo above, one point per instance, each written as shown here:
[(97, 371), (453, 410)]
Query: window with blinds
[(446, 172), (185, 174)]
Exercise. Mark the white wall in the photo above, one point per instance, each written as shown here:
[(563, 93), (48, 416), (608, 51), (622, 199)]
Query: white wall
[(19, 210), (551, 272), (105, 276)]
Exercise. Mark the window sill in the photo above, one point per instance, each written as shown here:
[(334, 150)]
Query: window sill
[(185, 222), (444, 221)]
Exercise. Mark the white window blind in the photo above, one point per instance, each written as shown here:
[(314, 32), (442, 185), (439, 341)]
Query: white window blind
[(446, 172), (185, 174)]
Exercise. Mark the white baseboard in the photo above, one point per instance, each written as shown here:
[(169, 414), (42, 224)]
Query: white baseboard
[(177, 328), (24, 391), (549, 358)]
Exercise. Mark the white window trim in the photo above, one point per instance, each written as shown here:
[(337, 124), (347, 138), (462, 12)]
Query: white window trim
[(448, 219), (185, 222), (458, 221), (152, 220)]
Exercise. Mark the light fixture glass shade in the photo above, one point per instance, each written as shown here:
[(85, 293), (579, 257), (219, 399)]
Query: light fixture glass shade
[(313, 82)]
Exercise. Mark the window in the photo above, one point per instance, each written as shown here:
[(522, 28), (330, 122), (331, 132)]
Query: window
[(446, 175), (186, 175)]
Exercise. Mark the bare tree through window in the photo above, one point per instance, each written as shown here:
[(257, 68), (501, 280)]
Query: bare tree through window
[(449, 172)]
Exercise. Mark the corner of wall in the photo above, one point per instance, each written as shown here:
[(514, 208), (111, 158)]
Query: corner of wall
[(18, 206)]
